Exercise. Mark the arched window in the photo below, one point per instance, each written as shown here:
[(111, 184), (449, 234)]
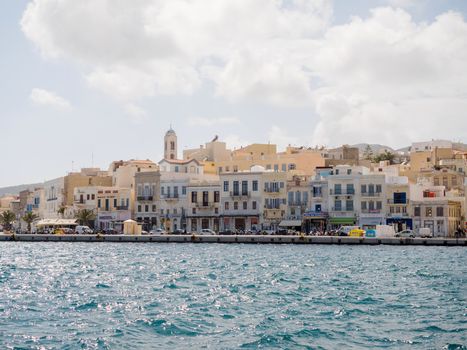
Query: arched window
[(172, 145), (172, 156)]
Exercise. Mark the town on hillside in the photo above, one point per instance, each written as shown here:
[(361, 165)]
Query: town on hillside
[(256, 189)]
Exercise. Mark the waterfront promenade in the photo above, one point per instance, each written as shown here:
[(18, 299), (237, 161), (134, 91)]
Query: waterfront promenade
[(245, 239)]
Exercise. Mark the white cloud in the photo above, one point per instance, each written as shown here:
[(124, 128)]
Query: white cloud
[(49, 98), (372, 78), (234, 141), (210, 122)]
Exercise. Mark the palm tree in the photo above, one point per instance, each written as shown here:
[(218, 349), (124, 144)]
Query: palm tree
[(61, 211), (85, 216), (6, 219), (29, 218)]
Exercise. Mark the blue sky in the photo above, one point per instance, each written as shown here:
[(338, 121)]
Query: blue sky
[(88, 78)]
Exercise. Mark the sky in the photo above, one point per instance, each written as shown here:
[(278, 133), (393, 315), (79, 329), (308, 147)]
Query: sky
[(83, 83)]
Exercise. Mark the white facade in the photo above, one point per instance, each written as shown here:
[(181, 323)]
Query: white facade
[(430, 145), (54, 199), (203, 210)]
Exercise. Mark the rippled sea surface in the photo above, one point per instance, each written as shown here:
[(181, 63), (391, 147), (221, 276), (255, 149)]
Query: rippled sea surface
[(179, 296)]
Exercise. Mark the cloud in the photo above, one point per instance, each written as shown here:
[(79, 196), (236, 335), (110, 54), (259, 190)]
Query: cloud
[(234, 141), (49, 98), (210, 122), (279, 136), (372, 78)]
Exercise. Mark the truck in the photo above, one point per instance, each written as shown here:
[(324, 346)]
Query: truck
[(424, 232)]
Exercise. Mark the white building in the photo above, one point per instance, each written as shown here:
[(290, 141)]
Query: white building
[(203, 206)]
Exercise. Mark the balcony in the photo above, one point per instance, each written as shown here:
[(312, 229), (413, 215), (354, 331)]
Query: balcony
[(271, 190), (297, 204), (204, 205), (371, 211), (343, 209), (348, 192), (235, 194), (171, 196), (144, 198), (371, 194), (272, 207), (398, 202), (121, 207)]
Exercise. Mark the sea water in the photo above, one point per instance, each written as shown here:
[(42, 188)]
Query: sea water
[(228, 296)]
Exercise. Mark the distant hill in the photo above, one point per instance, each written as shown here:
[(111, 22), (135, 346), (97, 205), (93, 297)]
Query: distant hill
[(15, 190), (376, 148)]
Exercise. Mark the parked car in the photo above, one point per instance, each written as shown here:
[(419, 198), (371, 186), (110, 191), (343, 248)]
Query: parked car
[(83, 230), (406, 234), (370, 233), (356, 232), (424, 232), (158, 231), (345, 230), (207, 232), (178, 231)]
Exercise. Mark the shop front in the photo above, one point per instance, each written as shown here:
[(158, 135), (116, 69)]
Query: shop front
[(315, 221), (400, 224), (370, 222), (337, 222)]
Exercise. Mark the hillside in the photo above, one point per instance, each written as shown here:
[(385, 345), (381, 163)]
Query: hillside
[(15, 190)]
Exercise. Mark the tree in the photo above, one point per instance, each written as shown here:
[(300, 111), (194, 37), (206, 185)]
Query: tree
[(389, 156), (61, 211), (6, 219), (85, 216), (368, 153), (29, 218)]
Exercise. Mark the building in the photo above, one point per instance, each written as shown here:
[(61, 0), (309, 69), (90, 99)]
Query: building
[(316, 218), (113, 208), (298, 195), (398, 211), (432, 207), (170, 145), (203, 211), (147, 185)]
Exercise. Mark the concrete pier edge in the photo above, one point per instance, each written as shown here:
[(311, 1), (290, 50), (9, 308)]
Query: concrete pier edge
[(245, 239)]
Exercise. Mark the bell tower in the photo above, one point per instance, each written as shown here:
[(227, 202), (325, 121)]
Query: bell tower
[(170, 144)]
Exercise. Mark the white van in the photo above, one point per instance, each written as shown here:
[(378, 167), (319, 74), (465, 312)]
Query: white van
[(424, 232), (83, 230)]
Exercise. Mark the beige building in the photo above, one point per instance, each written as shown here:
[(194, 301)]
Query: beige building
[(113, 208), (147, 186), (203, 211), (218, 159)]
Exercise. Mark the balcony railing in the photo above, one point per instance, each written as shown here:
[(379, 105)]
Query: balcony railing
[(273, 206), (343, 209), (347, 192), (171, 196), (145, 198), (240, 194), (371, 194), (398, 202), (371, 211), (271, 190), (297, 204), (122, 207)]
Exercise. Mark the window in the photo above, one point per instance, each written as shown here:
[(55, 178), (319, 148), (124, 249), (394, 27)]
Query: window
[(177, 169), (184, 190), (379, 205), (454, 181), (439, 211), (115, 202), (349, 171), (253, 205), (338, 205), (244, 188), (93, 196), (445, 181), (226, 205), (236, 190), (363, 205), (371, 205), (205, 198), (416, 211), (281, 184), (436, 181), (268, 166), (255, 185), (154, 208), (216, 196), (172, 145), (428, 211), (194, 197), (276, 167), (146, 208), (139, 208), (163, 190), (235, 168), (292, 166), (176, 191), (350, 189), (317, 191), (226, 186), (284, 167), (349, 205), (235, 205), (371, 189), (400, 198), (338, 189), (245, 205), (227, 169), (378, 188), (194, 224), (290, 197), (363, 188), (193, 210), (216, 210)]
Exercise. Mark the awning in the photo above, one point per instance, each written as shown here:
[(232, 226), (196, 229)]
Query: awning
[(342, 221), (57, 222), (290, 223)]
